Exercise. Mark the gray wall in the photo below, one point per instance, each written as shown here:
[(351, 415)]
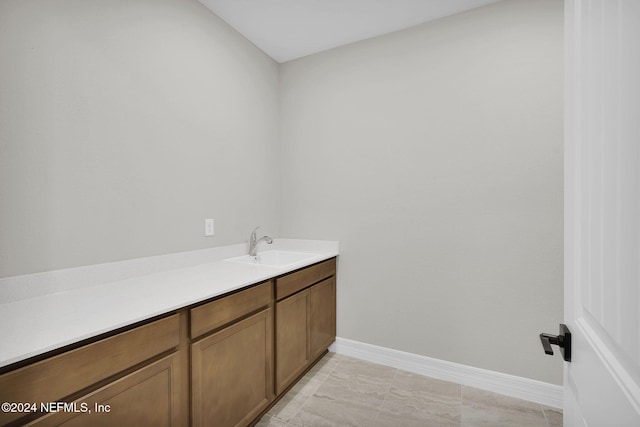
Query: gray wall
[(123, 125), (435, 156)]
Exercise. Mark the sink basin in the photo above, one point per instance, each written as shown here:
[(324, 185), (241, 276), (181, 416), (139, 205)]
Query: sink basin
[(274, 258)]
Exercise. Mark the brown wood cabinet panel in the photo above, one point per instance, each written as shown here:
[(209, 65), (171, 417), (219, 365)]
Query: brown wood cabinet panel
[(68, 373), (223, 369), (292, 328), (298, 280), (322, 316), (220, 312), (232, 373), (185, 368), (148, 397)]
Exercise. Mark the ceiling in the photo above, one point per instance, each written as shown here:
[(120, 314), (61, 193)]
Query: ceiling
[(290, 29)]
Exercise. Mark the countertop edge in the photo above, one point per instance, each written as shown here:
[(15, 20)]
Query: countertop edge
[(38, 325)]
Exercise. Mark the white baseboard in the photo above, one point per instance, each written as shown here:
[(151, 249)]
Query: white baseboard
[(497, 382)]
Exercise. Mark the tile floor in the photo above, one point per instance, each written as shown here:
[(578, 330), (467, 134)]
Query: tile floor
[(343, 391)]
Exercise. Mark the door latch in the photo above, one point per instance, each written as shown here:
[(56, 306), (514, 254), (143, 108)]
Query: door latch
[(562, 340)]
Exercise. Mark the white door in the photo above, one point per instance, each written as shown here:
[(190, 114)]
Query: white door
[(602, 212)]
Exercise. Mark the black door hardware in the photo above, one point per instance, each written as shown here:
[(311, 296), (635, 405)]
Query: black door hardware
[(562, 340)]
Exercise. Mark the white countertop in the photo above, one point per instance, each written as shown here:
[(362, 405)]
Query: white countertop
[(40, 323)]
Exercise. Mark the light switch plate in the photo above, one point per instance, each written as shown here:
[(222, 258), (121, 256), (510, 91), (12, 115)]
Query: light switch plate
[(208, 227)]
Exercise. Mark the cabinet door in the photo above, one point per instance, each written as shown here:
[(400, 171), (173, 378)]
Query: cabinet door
[(232, 373), (322, 316), (67, 374), (291, 338), (146, 397)]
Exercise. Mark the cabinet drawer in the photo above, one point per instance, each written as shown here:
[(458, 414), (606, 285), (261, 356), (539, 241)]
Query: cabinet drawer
[(60, 376), (296, 281), (217, 313), (147, 397)]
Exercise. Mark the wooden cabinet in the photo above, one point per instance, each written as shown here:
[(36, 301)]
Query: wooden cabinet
[(86, 368), (232, 368), (303, 278), (322, 316), (148, 397), (305, 320), (292, 337), (223, 311), (219, 363)]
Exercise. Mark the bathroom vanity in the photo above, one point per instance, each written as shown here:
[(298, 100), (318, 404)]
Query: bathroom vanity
[(221, 361)]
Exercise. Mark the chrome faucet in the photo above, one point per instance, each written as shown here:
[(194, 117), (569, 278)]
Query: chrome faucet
[(253, 242)]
